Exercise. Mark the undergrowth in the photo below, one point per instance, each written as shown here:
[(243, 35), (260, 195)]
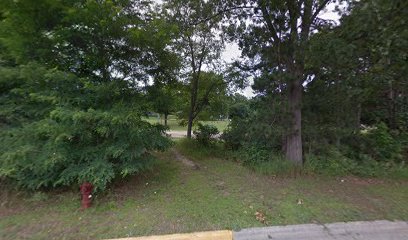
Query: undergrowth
[(264, 161)]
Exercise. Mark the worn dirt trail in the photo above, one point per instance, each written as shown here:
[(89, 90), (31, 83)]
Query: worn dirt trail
[(185, 161)]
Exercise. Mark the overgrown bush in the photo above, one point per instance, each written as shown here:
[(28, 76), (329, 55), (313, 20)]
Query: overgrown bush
[(382, 145), (68, 130), (264, 161), (376, 143), (332, 163), (367, 168), (335, 163), (233, 137), (205, 134), (252, 155), (257, 125)]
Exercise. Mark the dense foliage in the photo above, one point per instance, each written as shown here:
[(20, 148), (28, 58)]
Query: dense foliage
[(77, 77), (355, 97), (71, 100), (205, 134), (56, 131)]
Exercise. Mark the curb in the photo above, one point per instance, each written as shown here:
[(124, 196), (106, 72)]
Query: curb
[(211, 235)]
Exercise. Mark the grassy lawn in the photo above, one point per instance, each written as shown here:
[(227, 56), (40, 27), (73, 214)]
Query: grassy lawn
[(221, 194), (173, 123)]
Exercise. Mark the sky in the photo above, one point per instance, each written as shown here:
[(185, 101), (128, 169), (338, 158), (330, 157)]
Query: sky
[(232, 50)]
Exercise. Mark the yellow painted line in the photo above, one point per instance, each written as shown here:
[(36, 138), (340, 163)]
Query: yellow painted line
[(213, 235)]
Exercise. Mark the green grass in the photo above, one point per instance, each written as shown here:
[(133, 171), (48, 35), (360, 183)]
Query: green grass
[(173, 123), (221, 194)]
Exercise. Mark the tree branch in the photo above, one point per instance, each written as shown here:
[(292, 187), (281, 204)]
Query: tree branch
[(219, 13), (319, 9), (190, 44), (268, 20), (202, 103)]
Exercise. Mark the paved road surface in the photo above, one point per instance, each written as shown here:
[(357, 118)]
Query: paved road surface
[(376, 230), (177, 134), (182, 134)]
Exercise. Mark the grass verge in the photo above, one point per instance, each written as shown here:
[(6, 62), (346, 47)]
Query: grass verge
[(221, 194)]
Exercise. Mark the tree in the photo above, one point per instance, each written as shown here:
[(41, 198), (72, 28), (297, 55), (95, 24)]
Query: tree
[(353, 86), (70, 91), (275, 36), (359, 67), (210, 99), (163, 98), (199, 43)]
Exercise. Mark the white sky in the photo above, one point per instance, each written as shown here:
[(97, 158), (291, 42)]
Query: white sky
[(232, 50)]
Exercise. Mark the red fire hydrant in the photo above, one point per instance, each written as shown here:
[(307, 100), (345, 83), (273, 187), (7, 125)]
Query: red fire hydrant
[(86, 191)]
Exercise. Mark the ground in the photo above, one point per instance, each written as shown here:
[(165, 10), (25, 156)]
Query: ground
[(213, 193)]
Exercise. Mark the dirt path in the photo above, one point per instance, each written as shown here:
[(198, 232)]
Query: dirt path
[(187, 162)]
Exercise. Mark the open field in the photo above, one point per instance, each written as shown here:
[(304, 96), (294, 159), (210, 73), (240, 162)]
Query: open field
[(218, 194), (173, 123)]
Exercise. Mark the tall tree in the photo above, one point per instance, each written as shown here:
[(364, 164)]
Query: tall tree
[(275, 36), (362, 64), (211, 94), (163, 98), (199, 42)]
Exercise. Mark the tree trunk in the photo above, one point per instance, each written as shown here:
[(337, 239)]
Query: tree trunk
[(165, 119), (193, 99), (294, 137), (358, 118), (190, 121), (392, 108)]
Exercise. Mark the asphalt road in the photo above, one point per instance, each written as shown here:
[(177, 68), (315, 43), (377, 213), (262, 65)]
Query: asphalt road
[(177, 134), (375, 230)]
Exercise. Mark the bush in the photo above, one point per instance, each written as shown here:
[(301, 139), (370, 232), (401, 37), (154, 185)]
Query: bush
[(253, 155), (336, 164), (382, 145), (232, 137), (332, 163), (263, 160), (74, 131), (74, 146), (257, 125), (205, 134), (376, 143)]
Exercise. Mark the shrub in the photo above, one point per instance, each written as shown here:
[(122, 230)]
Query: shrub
[(336, 164), (376, 143), (75, 131), (255, 125), (382, 145), (253, 155), (232, 137), (205, 134), (73, 146), (332, 163), (263, 160)]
